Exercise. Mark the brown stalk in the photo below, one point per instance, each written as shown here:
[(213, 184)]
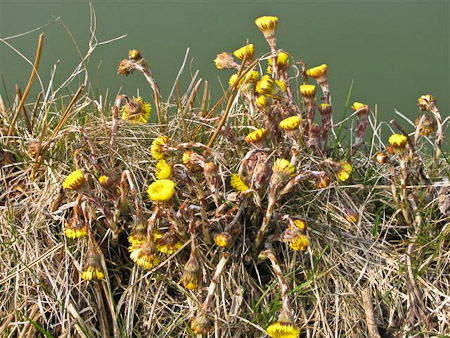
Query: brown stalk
[(205, 97), (24, 111), (28, 87), (182, 111), (370, 318)]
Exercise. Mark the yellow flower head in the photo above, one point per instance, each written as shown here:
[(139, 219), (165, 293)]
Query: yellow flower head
[(282, 85), (300, 224), (92, 269), (247, 50), (163, 170), (283, 168), (238, 184), (299, 242), (318, 71), (282, 330), (267, 86), (282, 62), (398, 141), (157, 147), (249, 78), (74, 181), (161, 190), (308, 90), (168, 243), (136, 111), (263, 102), (225, 60), (91, 273), (138, 233), (223, 240), (325, 108), (290, 123), (134, 54), (267, 25), (74, 229), (256, 136), (144, 255), (192, 274), (345, 169), (360, 108), (352, 217)]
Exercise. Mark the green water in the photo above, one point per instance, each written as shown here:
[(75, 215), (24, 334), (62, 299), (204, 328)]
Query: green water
[(394, 51)]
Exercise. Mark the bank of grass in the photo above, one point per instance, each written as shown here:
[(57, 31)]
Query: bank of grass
[(377, 262)]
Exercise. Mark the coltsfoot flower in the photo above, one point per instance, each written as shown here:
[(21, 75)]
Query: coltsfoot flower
[(163, 170), (282, 170), (381, 157), (223, 240), (290, 123), (325, 109), (323, 181), (300, 224), (247, 51), (144, 255), (282, 330), (126, 67), (256, 136), (168, 243), (192, 275), (267, 86), (201, 324), (308, 90), (428, 126), (317, 72), (361, 108), (398, 142), (92, 269), (157, 147), (267, 25), (344, 171), (74, 180), (138, 234), (161, 190), (426, 102), (238, 184), (282, 62), (249, 78), (136, 111), (75, 228), (263, 103)]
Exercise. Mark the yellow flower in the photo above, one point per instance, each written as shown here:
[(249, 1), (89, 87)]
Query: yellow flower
[(138, 233), (299, 242), (282, 330), (267, 86), (136, 111), (247, 50), (308, 90), (134, 54), (262, 102), (223, 240), (91, 273), (300, 224), (256, 136), (267, 25), (249, 78), (318, 71), (282, 85), (282, 61), (291, 123), (168, 243), (398, 141), (163, 170), (225, 60), (201, 324), (161, 190), (74, 180), (157, 147), (345, 169), (325, 108), (283, 168), (192, 274), (144, 255), (238, 184), (73, 230)]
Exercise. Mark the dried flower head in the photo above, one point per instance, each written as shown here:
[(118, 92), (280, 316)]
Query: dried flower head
[(138, 233), (192, 275), (247, 51), (398, 142), (308, 90), (157, 147), (136, 111), (191, 159), (381, 157), (225, 60), (344, 171), (428, 126), (256, 136), (144, 255), (223, 240), (426, 102), (106, 182), (361, 108), (238, 184), (325, 109), (290, 123), (134, 54), (74, 180), (126, 67), (161, 190), (323, 181), (163, 170), (201, 324)]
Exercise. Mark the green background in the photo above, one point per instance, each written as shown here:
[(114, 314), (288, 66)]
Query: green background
[(393, 50)]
